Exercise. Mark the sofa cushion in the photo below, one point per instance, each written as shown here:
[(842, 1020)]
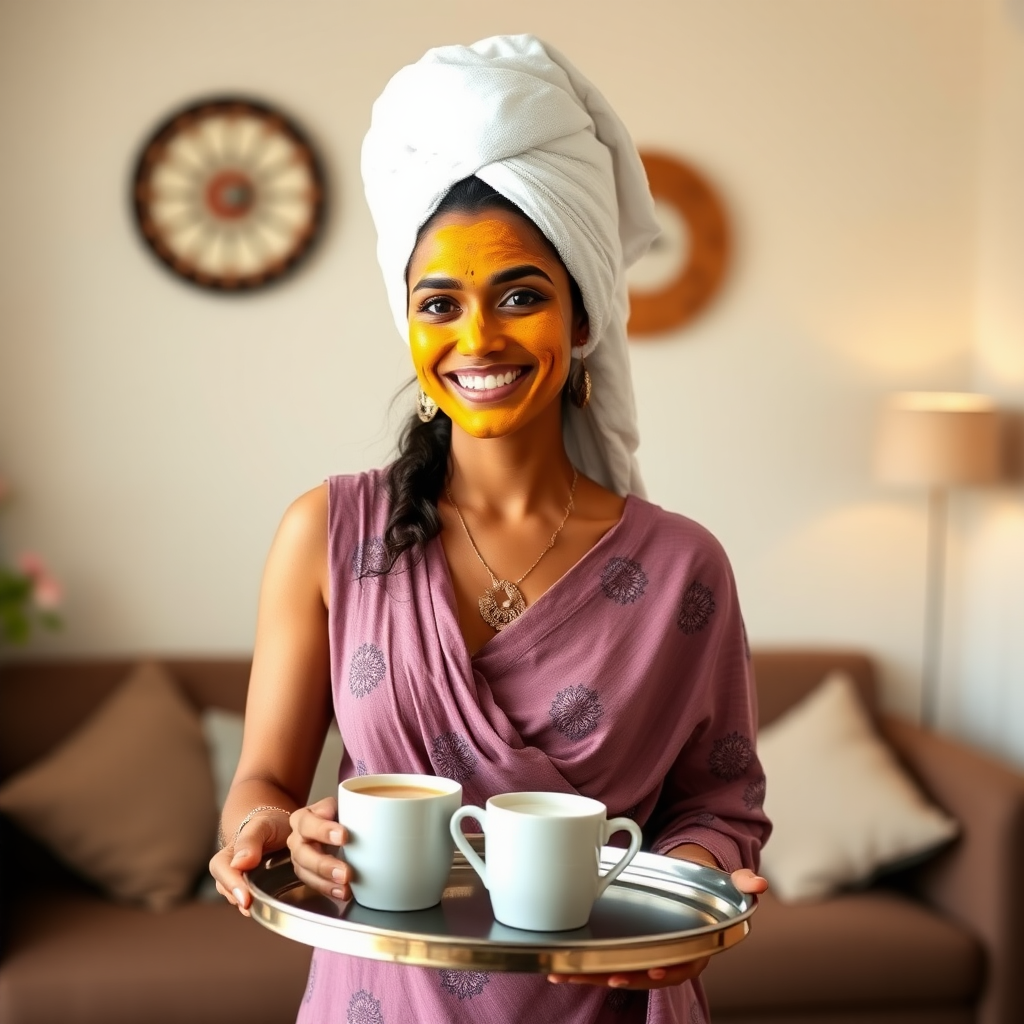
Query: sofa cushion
[(841, 805), (866, 949), (75, 957), (127, 800)]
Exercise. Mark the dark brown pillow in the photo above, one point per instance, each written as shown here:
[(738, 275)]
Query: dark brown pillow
[(127, 801)]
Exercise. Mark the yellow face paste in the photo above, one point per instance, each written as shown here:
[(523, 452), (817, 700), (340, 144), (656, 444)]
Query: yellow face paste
[(490, 320)]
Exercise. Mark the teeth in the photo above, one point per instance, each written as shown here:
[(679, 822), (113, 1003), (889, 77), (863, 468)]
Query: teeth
[(477, 383)]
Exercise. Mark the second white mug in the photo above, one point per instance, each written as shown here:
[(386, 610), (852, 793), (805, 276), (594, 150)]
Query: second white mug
[(542, 855)]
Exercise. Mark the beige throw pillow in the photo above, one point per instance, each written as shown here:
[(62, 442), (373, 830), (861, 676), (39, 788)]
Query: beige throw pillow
[(127, 801), (841, 805)]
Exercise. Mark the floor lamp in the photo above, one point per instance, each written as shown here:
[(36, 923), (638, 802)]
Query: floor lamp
[(938, 440)]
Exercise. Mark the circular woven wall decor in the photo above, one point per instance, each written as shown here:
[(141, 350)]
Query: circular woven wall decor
[(229, 194), (687, 264)]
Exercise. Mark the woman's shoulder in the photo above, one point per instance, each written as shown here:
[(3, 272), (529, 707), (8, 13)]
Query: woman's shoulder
[(305, 517), (673, 532), (311, 512)]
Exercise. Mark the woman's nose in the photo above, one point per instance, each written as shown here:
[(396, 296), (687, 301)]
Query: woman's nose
[(480, 334)]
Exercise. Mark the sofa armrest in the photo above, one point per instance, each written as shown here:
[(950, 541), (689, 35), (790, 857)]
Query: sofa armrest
[(979, 880)]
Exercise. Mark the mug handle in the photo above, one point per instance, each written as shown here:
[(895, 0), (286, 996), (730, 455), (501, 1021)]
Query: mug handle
[(636, 838), (463, 843)]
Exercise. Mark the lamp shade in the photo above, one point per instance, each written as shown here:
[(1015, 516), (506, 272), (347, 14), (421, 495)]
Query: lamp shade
[(938, 439)]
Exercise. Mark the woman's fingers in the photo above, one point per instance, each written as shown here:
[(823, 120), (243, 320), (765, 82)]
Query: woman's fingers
[(314, 836), (230, 883), (325, 808), (747, 881), (318, 823)]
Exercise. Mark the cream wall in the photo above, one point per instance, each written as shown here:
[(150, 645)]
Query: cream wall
[(984, 682), (156, 433)]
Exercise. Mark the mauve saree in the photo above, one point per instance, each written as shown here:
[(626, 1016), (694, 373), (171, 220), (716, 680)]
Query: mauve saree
[(628, 681)]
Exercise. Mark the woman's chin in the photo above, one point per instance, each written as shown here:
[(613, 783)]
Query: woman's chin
[(486, 426)]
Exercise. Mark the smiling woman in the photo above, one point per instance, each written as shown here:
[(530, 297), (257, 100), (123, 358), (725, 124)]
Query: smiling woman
[(490, 321), (505, 268)]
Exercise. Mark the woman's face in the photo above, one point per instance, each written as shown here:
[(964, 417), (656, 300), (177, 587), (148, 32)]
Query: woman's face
[(490, 320)]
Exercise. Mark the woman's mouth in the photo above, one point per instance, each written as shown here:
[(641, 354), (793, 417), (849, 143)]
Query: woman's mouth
[(477, 386)]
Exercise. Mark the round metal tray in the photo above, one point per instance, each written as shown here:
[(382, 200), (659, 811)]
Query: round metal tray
[(659, 911)]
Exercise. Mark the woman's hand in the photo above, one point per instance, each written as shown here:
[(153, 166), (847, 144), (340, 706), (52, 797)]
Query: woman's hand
[(265, 832), (315, 830), (659, 977)]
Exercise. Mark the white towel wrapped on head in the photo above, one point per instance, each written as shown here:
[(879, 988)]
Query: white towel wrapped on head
[(515, 113)]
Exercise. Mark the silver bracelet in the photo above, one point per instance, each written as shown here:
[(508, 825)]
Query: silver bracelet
[(252, 814)]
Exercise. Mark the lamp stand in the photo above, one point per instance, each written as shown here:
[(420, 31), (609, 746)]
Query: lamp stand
[(935, 572)]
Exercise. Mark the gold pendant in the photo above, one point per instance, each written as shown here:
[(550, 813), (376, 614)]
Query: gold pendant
[(501, 605)]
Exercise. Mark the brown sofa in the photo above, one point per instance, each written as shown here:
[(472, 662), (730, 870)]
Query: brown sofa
[(939, 944)]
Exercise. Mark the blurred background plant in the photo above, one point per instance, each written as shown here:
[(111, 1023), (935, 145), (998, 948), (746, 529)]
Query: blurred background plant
[(29, 594)]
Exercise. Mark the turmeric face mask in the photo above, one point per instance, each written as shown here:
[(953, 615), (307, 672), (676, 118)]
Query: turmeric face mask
[(490, 320)]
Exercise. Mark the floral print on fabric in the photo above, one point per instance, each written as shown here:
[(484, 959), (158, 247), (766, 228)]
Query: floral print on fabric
[(361, 768), (367, 669), (730, 756), (623, 580), (364, 1009), (576, 711), (369, 558), (452, 757), (621, 1000), (464, 984), (698, 607), (753, 794)]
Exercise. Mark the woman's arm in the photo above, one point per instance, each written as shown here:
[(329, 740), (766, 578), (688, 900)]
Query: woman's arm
[(288, 707)]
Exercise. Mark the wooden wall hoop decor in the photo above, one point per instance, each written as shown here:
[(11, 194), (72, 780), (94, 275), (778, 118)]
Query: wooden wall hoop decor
[(229, 194), (703, 269)]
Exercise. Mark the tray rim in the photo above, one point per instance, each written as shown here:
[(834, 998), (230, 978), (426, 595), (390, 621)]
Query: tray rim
[(548, 955)]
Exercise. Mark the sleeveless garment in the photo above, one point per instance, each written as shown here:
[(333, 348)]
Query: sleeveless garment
[(628, 681)]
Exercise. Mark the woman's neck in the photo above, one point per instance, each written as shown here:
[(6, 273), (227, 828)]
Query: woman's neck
[(512, 477)]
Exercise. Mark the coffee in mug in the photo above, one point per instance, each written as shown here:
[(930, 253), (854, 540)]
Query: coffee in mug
[(542, 855), (401, 792), (399, 846)]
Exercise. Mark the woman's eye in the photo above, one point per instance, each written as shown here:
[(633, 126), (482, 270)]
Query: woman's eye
[(437, 305), (522, 297)]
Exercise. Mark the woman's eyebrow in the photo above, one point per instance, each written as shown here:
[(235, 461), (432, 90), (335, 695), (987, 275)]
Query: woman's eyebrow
[(502, 277), (440, 283), (515, 273)]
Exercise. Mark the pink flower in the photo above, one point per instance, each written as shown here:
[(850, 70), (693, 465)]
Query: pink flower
[(48, 593), (32, 565)]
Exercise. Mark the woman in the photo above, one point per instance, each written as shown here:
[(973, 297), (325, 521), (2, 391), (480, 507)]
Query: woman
[(500, 605)]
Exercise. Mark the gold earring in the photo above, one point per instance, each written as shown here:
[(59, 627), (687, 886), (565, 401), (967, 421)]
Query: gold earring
[(426, 407), (580, 386)]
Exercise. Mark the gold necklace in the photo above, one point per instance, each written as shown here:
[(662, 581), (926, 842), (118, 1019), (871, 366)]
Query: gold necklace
[(503, 603)]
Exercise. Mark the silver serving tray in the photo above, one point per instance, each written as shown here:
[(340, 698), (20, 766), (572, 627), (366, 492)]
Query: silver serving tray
[(659, 911)]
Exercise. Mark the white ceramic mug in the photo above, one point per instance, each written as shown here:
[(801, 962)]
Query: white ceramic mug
[(399, 843), (543, 853)]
